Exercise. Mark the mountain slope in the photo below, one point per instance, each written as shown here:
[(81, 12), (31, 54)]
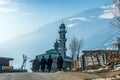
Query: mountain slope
[(87, 25)]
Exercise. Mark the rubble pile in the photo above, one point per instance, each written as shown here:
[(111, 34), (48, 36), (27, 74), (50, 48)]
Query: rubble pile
[(100, 70), (103, 70), (109, 78)]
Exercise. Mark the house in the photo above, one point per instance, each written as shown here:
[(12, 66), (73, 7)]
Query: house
[(98, 58), (5, 63)]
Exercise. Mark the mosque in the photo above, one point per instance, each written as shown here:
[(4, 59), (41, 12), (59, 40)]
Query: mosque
[(59, 47)]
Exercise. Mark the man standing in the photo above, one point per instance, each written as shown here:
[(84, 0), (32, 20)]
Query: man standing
[(59, 62), (49, 63), (43, 63), (36, 65)]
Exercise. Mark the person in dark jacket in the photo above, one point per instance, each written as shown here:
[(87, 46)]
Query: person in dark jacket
[(43, 63), (49, 63), (59, 62), (36, 65)]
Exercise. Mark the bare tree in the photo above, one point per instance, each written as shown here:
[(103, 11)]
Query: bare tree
[(116, 21), (80, 43), (116, 12), (75, 46)]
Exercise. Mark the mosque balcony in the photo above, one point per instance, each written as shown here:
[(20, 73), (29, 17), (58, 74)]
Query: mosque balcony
[(63, 39), (62, 31)]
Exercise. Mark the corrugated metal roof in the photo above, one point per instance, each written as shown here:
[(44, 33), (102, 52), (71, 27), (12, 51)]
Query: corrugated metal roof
[(5, 58)]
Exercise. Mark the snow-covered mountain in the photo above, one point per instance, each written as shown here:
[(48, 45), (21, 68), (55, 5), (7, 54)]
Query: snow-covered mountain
[(91, 25)]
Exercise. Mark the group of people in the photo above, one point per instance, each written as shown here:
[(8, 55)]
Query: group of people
[(41, 64)]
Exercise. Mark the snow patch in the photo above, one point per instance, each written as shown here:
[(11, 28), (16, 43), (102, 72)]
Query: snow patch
[(79, 18), (71, 25), (108, 12)]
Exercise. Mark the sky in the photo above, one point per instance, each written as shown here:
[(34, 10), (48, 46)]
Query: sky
[(19, 17)]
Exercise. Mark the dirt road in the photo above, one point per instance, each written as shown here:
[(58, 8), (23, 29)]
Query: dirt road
[(43, 76), (26, 76)]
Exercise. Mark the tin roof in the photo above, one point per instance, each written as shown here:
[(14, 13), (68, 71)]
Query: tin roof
[(5, 58)]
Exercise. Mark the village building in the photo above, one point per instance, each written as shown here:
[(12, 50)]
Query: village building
[(5, 64), (92, 59)]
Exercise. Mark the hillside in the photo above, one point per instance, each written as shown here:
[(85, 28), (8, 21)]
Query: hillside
[(88, 25)]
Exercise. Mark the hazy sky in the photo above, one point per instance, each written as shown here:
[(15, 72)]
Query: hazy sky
[(18, 17)]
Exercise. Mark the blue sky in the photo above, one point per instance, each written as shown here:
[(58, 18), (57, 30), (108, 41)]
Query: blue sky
[(18, 17)]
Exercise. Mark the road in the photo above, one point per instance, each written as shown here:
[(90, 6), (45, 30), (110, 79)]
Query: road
[(44, 76), (27, 76)]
